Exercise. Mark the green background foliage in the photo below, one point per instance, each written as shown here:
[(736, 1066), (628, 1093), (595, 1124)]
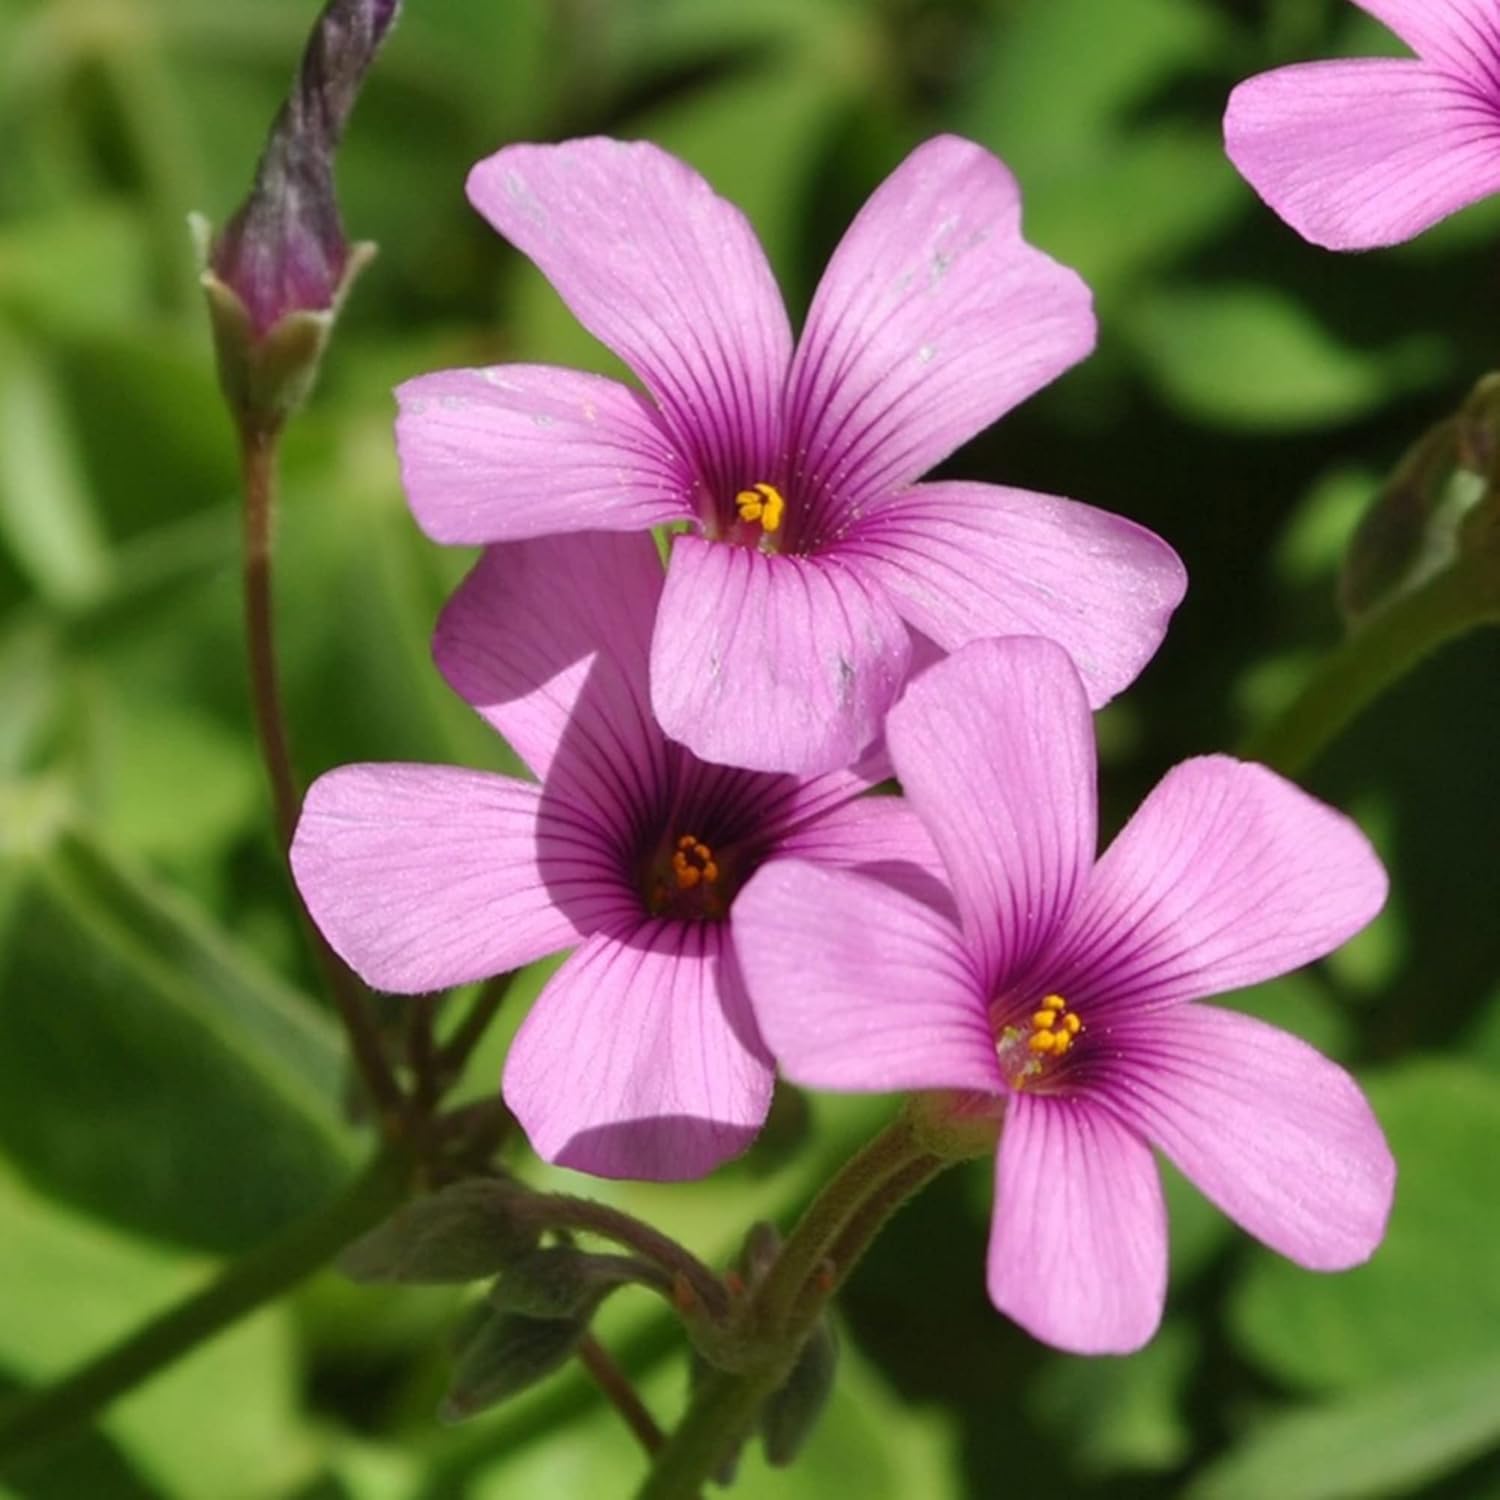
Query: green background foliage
[(172, 1092)]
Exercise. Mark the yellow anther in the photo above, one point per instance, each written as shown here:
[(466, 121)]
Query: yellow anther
[(1061, 1041), (693, 863), (1043, 1041), (761, 503), (1044, 1020), (1073, 1024), (1054, 1002)]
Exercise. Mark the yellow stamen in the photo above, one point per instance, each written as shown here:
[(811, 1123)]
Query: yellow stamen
[(1028, 1050), (761, 503), (693, 863)]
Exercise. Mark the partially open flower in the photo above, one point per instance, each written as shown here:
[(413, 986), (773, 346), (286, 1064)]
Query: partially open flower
[(276, 272)]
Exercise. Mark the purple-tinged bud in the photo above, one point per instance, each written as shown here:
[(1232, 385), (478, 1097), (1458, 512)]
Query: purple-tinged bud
[(277, 271)]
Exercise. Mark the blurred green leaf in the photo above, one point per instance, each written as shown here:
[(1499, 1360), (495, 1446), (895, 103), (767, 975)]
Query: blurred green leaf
[(1429, 1296), (1385, 1441), (151, 1074), (147, 749), (1111, 1415), (221, 1423), (47, 515), (1248, 356), (81, 269), (1063, 96)]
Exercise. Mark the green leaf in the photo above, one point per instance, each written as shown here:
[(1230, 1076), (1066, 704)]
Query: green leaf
[(1120, 1414), (1060, 98), (198, 1429), (47, 517), (149, 1073), (1429, 1296), (1247, 356), (1390, 1440)]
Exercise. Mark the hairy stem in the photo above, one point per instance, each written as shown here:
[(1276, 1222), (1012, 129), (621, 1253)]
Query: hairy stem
[(585, 1216), (258, 449), (838, 1227), (616, 1386), (260, 1277), (1377, 655)]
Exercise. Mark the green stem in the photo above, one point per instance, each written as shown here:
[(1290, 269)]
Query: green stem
[(843, 1220), (258, 457), (585, 1216), (1379, 653), (615, 1385), (249, 1283), (855, 1184)]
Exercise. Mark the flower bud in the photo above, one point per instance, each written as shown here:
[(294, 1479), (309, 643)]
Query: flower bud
[(463, 1232), (556, 1281), (275, 274), (502, 1353), (789, 1416)]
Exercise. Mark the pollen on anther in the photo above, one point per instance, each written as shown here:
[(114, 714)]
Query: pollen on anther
[(763, 503)]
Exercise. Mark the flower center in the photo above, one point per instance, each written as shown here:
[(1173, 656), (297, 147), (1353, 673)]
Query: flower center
[(684, 880), (763, 503), (1028, 1051), (693, 863)]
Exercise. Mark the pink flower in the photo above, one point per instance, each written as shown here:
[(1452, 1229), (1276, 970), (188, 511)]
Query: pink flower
[(1372, 151), (1065, 993), (783, 635), (641, 1056)]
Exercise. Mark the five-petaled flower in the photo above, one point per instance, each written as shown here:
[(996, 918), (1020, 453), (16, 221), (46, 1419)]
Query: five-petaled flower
[(1371, 151), (641, 1057), (810, 554), (1062, 995)]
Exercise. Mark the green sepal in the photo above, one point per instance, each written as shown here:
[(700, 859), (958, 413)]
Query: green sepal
[(267, 377)]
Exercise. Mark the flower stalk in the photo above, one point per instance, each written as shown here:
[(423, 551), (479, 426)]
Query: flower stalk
[(829, 1240), (258, 451), (1382, 650)]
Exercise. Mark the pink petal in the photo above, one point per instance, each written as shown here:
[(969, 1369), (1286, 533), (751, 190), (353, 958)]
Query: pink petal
[(1226, 876), (777, 663), (1078, 1246), (861, 988), (995, 751), (1364, 153), (1280, 1138), (549, 641), (641, 1057), (1461, 34), (425, 876), (666, 274), (519, 451), (965, 561), (933, 318)]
